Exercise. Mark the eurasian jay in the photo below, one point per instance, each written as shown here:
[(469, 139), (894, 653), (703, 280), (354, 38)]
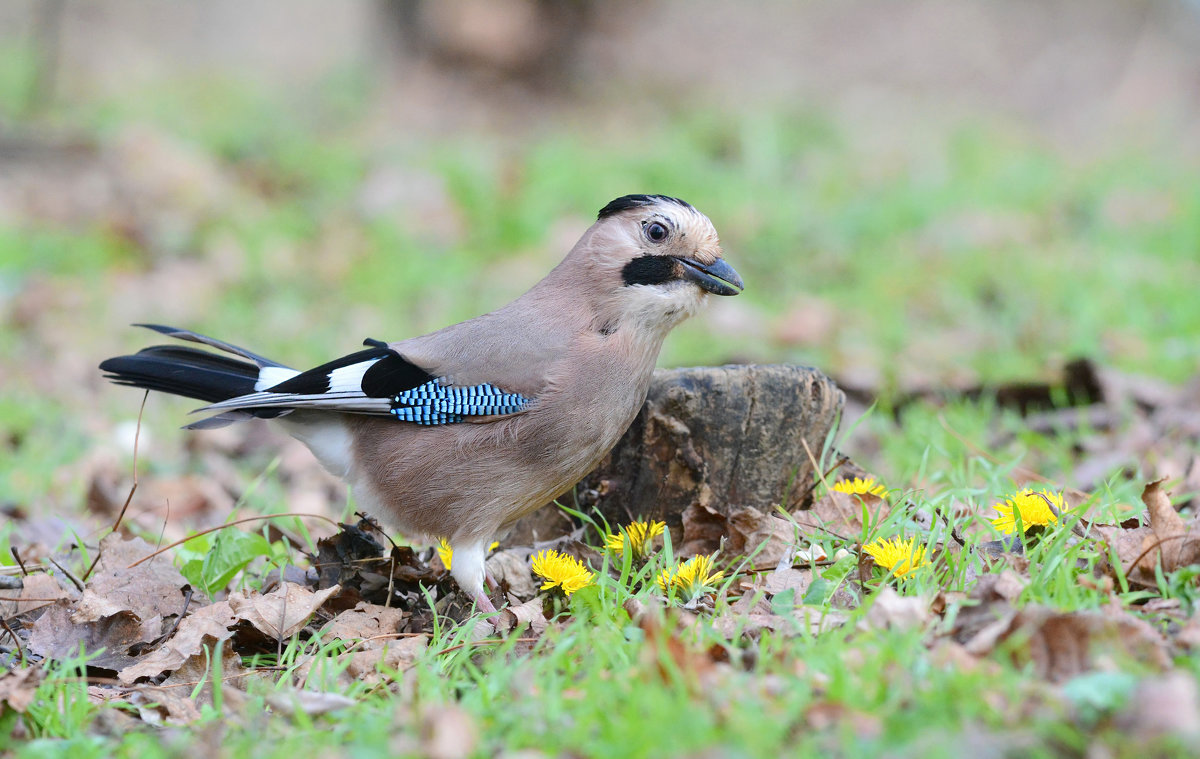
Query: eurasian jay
[(461, 432)]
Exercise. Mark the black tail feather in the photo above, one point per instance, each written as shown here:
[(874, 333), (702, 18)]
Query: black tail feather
[(182, 371), (195, 337)]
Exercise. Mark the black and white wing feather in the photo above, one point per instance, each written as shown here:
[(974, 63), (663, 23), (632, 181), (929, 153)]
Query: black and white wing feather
[(375, 381)]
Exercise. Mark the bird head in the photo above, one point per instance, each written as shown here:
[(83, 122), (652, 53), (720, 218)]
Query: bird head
[(656, 260)]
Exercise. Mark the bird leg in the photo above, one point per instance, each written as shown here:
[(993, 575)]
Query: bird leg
[(490, 581), (483, 603), (470, 573)]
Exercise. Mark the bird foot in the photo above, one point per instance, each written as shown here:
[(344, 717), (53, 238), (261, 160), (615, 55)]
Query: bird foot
[(490, 581)]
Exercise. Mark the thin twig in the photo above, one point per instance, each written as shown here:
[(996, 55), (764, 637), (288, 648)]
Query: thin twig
[(17, 555), (16, 640), (74, 580), (187, 601), (137, 436), (166, 521), (1153, 546), (842, 459), (229, 524), (30, 598)]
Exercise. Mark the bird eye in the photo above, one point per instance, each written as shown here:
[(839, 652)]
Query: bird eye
[(656, 231)]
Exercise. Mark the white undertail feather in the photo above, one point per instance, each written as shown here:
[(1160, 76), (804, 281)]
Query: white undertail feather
[(326, 436)]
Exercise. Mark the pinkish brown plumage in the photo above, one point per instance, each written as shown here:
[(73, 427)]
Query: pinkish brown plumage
[(460, 432)]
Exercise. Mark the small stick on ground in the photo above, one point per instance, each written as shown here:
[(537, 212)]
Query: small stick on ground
[(137, 435), (234, 523), (67, 573), (17, 555), (16, 640)]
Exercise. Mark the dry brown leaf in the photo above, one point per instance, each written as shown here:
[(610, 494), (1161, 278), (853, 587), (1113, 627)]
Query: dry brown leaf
[(828, 715), (530, 614), (892, 611), (1128, 543), (703, 530), (788, 578), (1189, 635), (308, 702), (19, 686), (1165, 705), (282, 612), (164, 706), (56, 636), (766, 537), (203, 627), (1172, 538), (664, 650), (1062, 645), (447, 732), (34, 587), (198, 670), (365, 622), (397, 655), (510, 568), (149, 589)]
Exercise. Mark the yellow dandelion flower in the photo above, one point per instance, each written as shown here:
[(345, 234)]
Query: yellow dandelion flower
[(1034, 508), (447, 553), (639, 536), (896, 555), (691, 578), (860, 486), (559, 569)]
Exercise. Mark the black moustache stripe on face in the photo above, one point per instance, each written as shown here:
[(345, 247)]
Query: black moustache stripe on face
[(650, 270)]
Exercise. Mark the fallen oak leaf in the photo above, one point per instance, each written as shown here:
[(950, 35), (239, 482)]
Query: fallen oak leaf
[(892, 611), (163, 706), (37, 592), (765, 537), (1062, 645), (530, 614), (510, 569), (375, 665), (282, 612), (19, 686), (146, 590), (55, 635), (370, 623), (203, 627), (1174, 540)]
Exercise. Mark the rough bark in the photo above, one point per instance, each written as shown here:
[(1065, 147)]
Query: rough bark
[(719, 437)]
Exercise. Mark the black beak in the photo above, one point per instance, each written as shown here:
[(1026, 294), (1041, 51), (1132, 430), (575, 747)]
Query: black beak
[(718, 278)]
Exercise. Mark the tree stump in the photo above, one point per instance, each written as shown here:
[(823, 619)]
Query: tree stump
[(723, 438)]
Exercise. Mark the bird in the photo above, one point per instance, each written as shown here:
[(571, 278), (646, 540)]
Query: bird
[(458, 433)]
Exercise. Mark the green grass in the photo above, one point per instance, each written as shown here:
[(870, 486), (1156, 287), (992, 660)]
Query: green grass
[(987, 255)]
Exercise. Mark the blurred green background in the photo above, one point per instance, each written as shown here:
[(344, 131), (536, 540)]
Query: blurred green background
[(918, 195)]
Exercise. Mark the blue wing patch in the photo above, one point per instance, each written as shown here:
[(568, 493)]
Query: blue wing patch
[(434, 403)]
